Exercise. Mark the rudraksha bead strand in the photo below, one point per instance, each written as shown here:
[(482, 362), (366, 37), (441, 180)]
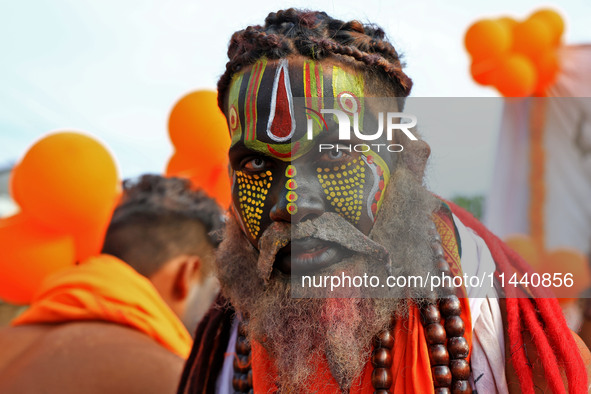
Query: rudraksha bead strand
[(381, 360), (242, 379)]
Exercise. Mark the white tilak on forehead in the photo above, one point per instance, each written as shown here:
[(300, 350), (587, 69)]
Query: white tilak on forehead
[(281, 106)]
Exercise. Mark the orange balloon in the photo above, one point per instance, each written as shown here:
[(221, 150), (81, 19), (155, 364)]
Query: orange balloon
[(214, 180), (180, 165), (13, 187), (547, 68), (484, 71), (553, 20), (516, 76), (508, 22), (525, 246), (30, 252), (567, 261), (89, 241), (487, 39), (219, 187), (67, 181), (198, 128), (532, 37)]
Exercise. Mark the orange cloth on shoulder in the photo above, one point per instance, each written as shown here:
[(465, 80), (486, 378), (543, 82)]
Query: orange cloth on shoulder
[(105, 288)]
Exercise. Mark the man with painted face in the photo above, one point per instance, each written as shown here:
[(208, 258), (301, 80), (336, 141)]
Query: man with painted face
[(306, 201)]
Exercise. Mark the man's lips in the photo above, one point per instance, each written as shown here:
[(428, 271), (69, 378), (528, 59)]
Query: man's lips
[(307, 255)]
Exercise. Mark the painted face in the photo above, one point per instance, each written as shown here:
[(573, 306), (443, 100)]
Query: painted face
[(280, 171)]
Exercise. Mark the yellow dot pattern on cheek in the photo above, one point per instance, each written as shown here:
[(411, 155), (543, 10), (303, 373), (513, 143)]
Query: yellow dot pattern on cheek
[(343, 188), (252, 193)]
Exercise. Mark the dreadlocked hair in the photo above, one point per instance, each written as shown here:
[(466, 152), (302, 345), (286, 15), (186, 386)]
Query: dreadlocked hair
[(316, 35)]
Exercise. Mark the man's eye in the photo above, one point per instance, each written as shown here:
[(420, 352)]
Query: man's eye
[(256, 164), (337, 154)]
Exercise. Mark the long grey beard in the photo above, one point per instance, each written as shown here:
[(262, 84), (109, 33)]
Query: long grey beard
[(298, 332)]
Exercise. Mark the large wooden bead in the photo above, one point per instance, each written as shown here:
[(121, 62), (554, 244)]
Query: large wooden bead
[(432, 227), (458, 347), (435, 236), (450, 306), (249, 377), (442, 265), (437, 249), (384, 339), (382, 392), (441, 376), (242, 345), (381, 358), (460, 369), (454, 326), (241, 363), (461, 387), (438, 355), (239, 382), (442, 390), (435, 334), (430, 314), (381, 378)]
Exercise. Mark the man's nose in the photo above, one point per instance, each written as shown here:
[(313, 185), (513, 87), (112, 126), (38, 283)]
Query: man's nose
[(299, 200)]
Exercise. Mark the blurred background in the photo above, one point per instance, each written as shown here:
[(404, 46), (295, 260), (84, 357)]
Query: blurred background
[(115, 70)]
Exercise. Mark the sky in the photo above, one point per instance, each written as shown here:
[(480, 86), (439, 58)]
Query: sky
[(114, 69)]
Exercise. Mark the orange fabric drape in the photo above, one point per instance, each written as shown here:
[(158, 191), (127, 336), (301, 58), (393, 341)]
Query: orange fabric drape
[(104, 288)]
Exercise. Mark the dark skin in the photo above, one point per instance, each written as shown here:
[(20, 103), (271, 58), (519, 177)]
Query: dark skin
[(84, 357)]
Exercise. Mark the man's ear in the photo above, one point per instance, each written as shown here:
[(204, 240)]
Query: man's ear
[(188, 272), (415, 156)]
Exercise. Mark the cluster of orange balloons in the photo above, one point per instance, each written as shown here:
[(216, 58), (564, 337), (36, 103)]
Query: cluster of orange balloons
[(519, 58), (560, 261), (199, 133), (66, 186)]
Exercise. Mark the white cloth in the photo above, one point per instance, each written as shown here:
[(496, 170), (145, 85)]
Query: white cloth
[(488, 342), (224, 381)]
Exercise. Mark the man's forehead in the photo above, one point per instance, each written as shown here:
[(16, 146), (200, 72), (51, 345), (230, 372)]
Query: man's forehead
[(271, 104)]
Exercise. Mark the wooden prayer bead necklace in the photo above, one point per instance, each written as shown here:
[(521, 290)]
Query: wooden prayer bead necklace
[(449, 367), (242, 379)]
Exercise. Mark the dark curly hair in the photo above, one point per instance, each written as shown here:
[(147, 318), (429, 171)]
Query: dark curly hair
[(316, 35), (158, 219)]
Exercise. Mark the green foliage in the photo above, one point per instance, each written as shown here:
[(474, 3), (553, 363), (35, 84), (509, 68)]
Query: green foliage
[(473, 204)]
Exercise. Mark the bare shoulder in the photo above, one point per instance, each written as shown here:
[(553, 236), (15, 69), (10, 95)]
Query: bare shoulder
[(93, 357)]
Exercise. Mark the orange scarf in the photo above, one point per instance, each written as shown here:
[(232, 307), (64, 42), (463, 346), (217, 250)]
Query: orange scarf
[(104, 288), (411, 367)]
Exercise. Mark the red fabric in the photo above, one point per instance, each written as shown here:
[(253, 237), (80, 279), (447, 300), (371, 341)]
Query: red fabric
[(541, 316)]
